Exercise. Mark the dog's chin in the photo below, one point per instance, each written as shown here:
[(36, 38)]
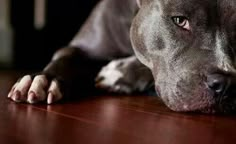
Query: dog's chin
[(227, 106), (200, 100)]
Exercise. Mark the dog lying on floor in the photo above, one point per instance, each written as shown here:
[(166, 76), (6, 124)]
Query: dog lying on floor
[(186, 48)]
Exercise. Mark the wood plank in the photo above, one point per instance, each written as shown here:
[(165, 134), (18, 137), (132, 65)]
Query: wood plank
[(107, 120)]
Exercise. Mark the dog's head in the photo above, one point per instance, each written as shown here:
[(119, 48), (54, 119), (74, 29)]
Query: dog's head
[(190, 47)]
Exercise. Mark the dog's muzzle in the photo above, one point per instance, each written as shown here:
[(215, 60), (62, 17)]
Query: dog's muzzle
[(223, 87)]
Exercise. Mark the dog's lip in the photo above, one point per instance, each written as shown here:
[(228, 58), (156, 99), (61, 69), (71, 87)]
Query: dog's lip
[(226, 105), (207, 110)]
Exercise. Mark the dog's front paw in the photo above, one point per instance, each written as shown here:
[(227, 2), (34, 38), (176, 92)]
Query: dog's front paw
[(34, 89), (112, 77), (126, 75)]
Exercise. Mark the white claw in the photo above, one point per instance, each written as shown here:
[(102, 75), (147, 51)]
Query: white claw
[(50, 98), (54, 93), (12, 90)]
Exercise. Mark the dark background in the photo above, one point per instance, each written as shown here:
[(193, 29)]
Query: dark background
[(34, 48)]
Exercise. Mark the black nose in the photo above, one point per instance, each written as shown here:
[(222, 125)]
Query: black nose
[(218, 83)]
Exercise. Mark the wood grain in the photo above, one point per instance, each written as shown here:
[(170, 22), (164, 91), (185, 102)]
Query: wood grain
[(107, 120)]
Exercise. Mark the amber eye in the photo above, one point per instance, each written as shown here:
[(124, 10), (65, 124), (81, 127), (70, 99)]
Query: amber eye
[(182, 22)]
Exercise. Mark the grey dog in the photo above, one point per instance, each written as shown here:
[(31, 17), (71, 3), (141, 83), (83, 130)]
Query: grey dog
[(186, 48)]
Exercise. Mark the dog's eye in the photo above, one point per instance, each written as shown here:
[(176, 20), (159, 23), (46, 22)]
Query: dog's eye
[(182, 22)]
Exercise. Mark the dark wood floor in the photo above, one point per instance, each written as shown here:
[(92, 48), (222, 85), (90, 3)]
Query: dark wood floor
[(107, 120)]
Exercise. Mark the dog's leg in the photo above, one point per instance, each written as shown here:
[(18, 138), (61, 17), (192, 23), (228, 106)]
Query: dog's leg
[(126, 75), (77, 66), (68, 67)]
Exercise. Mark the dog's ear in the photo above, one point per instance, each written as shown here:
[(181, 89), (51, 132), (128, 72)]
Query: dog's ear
[(139, 3)]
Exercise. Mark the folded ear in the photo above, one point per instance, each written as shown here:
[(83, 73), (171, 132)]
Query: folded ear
[(138, 3)]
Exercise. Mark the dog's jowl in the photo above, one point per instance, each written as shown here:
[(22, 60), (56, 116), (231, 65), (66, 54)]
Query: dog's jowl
[(185, 48)]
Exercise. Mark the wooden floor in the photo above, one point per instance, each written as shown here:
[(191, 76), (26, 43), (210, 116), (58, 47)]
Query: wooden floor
[(107, 120)]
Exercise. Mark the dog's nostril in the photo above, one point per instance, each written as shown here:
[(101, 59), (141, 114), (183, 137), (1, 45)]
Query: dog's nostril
[(217, 82)]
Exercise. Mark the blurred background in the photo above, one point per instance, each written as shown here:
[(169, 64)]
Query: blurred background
[(32, 30)]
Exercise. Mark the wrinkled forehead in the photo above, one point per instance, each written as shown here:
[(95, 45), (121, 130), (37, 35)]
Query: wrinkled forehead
[(190, 5), (223, 9), (227, 10), (187, 6)]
